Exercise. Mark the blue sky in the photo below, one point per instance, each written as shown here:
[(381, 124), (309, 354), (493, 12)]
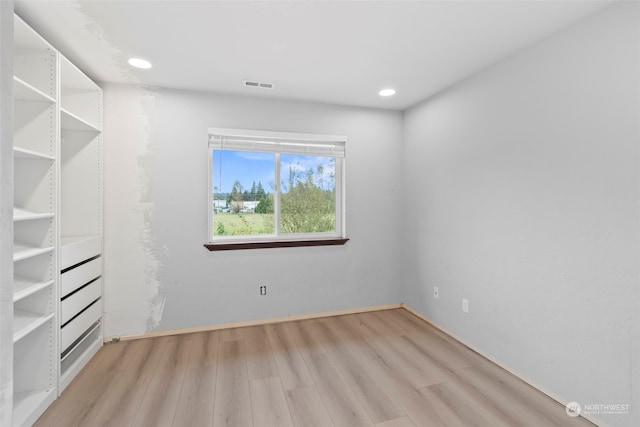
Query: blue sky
[(248, 167), (245, 167)]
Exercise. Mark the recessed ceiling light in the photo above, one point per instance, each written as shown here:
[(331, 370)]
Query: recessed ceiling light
[(387, 92), (139, 63)]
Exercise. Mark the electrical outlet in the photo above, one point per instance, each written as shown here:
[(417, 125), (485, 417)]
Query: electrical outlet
[(263, 290), (465, 305), (436, 292)]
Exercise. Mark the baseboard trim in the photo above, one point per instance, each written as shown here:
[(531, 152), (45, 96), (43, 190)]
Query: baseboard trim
[(251, 323), (558, 399)]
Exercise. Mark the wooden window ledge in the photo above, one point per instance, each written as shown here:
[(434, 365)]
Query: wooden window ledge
[(274, 244)]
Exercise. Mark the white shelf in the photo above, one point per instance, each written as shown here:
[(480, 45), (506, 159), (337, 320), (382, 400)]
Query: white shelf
[(71, 122), (25, 323), (24, 215), (23, 91), (27, 407), (23, 287), (22, 153), (23, 251)]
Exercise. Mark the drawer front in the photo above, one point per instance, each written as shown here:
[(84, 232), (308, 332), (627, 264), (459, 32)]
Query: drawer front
[(73, 252), (80, 276), (74, 329), (78, 301)]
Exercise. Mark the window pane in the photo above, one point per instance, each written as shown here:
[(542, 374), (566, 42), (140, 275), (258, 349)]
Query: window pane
[(243, 187), (308, 194)]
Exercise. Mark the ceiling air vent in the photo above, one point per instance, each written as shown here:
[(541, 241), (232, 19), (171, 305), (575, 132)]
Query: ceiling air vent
[(253, 83)]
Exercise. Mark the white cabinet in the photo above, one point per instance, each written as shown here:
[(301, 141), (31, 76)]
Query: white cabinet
[(35, 225), (80, 218), (57, 286)]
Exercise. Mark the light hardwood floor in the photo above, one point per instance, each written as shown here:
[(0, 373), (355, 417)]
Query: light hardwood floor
[(385, 369)]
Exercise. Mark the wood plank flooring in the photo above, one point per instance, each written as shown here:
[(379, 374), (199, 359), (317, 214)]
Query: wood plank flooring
[(384, 369)]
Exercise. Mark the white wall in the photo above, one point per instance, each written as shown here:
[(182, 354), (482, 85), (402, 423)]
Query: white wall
[(526, 187), (159, 276), (6, 212)]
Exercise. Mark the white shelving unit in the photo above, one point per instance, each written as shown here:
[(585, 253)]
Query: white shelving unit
[(21, 153), (35, 225), (80, 220), (24, 286), (57, 222), (23, 215)]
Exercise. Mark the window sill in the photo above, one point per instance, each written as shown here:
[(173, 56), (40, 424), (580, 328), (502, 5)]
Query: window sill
[(274, 244)]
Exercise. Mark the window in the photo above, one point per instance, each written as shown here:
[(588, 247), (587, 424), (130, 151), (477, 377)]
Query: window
[(275, 187)]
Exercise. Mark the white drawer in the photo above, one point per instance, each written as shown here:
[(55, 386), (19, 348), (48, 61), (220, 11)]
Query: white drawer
[(74, 329), (74, 250), (78, 301), (79, 276)]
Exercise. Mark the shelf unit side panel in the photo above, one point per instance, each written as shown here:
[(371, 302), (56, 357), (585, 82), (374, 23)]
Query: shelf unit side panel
[(35, 185), (37, 233), (80, 95), (40, 268), (34, 126), (6, 222), (26, 38), (39, 303), (80, 184), (35, 61), (36, 370), (37, 68)]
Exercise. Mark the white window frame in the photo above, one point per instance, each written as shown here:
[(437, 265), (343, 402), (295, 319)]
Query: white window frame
[(279, 143)]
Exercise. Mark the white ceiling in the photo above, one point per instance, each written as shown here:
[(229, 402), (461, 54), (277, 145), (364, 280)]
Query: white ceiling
[(339, 52)]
